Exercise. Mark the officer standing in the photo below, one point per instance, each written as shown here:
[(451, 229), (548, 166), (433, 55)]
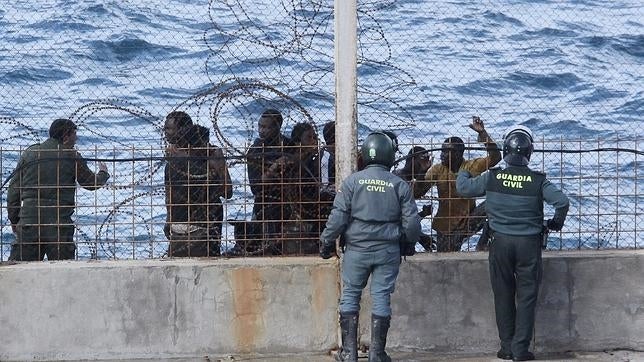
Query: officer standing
[(42, 192), (515, 197), (376, 214)]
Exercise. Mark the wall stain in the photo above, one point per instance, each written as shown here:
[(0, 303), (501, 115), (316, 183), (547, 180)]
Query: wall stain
[(248, 305)]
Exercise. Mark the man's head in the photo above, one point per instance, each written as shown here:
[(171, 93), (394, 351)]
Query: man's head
[(419, 161), (269, 124), (64, 130), (378, 148), (304, 134), (452, 152), (176, 126), (517, 146)]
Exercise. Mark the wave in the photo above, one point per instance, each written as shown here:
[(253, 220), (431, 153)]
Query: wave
[(62, 25), (634, 107), (600, 94), (631, 45), (28, 75), (99, 9), (627, 44), (130, 49), (166, 93), (499, 17), (509, 83), (569, 127), (544, 33), (97, 82)]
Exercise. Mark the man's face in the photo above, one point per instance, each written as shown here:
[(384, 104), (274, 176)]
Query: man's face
[(69, 141), (423, 162), (171, 130), (309, 138), (309, 141), (267, 128), (450, 155)]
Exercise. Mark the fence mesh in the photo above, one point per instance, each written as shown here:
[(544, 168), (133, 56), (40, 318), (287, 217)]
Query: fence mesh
[(569, 71)]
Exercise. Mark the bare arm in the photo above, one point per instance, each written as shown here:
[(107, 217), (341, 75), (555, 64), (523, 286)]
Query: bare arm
[(217, 163), (493, 152)]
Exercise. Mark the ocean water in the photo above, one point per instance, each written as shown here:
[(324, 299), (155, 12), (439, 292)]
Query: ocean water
[(571, 70)]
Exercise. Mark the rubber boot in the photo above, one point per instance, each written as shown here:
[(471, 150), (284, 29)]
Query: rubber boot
[(379, 329), (349, 326)]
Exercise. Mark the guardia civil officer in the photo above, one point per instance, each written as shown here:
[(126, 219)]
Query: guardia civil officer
[(376, 213), (515, 197)]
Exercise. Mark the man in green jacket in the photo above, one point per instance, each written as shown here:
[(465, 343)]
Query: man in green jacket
[(41, 197)]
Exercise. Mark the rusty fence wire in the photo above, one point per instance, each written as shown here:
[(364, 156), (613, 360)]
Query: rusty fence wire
[(569, 71)]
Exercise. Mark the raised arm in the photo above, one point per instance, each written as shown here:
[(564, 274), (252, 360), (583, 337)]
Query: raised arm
[(217, 163), (493, 153)]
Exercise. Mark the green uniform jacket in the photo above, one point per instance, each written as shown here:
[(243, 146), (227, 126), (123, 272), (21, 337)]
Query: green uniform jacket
[(43, 188)]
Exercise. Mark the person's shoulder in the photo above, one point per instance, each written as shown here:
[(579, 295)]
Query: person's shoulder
[(479, 164), (437, 169)]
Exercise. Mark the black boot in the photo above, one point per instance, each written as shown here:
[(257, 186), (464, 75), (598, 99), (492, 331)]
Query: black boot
[(349, 326), (379, 329)]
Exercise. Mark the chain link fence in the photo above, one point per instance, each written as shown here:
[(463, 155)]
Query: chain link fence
[(569, 71)]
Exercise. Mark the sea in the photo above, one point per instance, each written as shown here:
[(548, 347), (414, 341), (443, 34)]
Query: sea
[(572, 71)]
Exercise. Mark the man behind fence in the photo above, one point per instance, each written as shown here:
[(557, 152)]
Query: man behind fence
[(41, 196), (457, 218), (268, 159), (515, 197), (196, 177), (376, 214)]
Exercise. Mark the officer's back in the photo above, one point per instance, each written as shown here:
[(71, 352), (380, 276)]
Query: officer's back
[(373, 208)]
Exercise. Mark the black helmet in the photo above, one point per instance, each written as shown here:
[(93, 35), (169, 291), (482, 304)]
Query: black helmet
[(517, 146), (378, 148)]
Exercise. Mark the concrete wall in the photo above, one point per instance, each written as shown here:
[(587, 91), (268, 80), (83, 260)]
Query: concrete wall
[(191, 308), (588, 301), (166, 308)]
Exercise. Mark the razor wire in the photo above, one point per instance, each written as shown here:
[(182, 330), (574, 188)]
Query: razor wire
[(257, 54)]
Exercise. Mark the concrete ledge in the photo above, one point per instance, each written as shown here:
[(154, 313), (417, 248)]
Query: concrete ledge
[(589, 301), (167, 308), (193, 308)]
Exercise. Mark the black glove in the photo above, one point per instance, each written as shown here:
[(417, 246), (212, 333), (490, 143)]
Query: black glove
[(554, 224), (327, 250), (407, 249), (426, 211)]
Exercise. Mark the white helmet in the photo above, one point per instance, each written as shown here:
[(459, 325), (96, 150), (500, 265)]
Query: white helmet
[(519, 128)]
